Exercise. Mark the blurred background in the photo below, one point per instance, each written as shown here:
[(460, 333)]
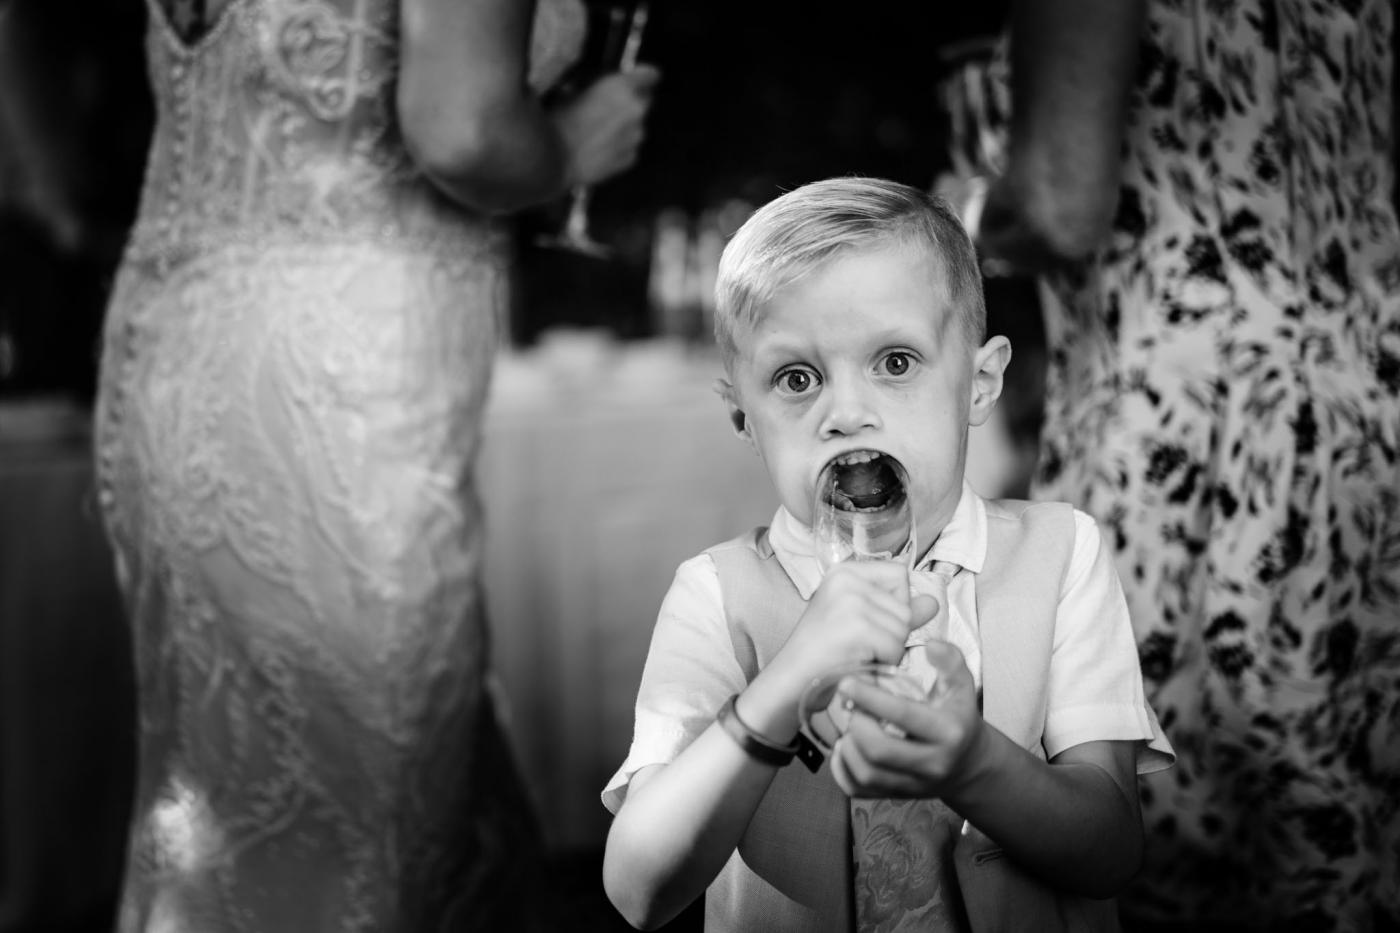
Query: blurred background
[(601, 413)]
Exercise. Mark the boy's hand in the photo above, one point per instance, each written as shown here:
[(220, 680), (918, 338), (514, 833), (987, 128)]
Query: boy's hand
[(939, 751), (860, 612)]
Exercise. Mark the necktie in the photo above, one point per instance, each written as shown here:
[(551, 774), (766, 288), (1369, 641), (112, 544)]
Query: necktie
[(904, 877)]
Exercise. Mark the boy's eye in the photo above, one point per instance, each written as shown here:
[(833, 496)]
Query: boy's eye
[(897, 364), (795, 381)]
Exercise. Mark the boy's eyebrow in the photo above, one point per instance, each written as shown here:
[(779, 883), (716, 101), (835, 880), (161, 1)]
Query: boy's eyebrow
[(890, 336), (777, 347)]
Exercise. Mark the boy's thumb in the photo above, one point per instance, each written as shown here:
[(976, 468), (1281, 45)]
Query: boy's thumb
[(922, 609)]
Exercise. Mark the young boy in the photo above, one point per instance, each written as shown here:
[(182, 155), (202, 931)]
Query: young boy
[(850, 321)]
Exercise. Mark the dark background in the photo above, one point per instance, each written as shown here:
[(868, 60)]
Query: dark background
[(756, 97)]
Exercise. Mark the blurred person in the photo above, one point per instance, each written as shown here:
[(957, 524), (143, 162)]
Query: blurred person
[(851, 325), (296, 356), (1207, 190), (71, 89), (71, 94), (38, 158)]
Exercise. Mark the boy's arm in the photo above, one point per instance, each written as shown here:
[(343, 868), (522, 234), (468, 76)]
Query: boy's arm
[(1075, 820), (681, 821), (679, 825), (683, 772)]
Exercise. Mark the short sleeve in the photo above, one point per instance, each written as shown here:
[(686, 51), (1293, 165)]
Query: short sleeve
[(1095, 689), (689, 673)]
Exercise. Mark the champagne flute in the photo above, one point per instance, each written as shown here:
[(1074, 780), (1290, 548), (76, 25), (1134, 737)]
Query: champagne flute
[(861, 510), (622, 44)]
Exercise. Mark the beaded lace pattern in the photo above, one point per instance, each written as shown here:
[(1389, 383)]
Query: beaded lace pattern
[(294, 365)]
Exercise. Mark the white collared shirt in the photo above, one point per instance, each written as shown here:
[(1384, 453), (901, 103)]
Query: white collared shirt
[(1095, 690)]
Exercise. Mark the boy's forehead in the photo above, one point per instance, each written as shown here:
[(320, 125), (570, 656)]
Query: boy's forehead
[(867, 270), (920, 259)]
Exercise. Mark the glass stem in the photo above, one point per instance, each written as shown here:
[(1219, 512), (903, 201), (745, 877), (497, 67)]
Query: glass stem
[(576, 227)]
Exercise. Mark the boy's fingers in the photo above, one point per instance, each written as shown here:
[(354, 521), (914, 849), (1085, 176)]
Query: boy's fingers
[(857, 776), (886, 574), (922, 609), (879, 764), (948, 661), (838, 769), (887, 604), (881, 706), (869, 698), (945, 657)]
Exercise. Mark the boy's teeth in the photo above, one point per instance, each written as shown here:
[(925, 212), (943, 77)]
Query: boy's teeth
[(858, 456)]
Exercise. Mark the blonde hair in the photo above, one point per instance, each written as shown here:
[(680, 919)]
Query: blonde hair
[(797, 232)]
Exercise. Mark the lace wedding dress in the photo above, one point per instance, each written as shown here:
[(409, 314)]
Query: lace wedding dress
[(294, 366)]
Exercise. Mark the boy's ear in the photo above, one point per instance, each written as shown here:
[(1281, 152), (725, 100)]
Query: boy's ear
[(988, 373), (737, 419)]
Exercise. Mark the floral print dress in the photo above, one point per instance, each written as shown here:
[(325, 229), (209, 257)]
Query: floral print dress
[(1224, 396)]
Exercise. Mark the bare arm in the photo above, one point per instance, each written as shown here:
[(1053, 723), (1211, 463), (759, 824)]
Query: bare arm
[(468, 116), (1073, 63), (1075, 822), (678, 827), (682, 821)]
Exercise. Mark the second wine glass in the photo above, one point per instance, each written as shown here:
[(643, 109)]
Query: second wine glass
[(621, 45)]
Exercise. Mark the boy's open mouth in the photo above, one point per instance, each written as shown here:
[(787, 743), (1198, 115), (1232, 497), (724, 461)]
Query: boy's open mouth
[(865, 481)]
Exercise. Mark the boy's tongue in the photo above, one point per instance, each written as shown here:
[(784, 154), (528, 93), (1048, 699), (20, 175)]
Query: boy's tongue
[(867, 485)]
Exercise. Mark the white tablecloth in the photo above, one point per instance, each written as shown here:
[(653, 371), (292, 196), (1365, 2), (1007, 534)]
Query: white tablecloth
[(602, 469)]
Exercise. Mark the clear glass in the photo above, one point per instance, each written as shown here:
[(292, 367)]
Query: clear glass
[(825, 717), (861, 510)]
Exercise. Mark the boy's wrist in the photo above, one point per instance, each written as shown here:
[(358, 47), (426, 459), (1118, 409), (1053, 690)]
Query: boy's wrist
[(755, 744), (770, 712), (978, 765)]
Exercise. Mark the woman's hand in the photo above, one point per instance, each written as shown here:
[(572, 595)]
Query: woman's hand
[(604, 125), (1009, 239)]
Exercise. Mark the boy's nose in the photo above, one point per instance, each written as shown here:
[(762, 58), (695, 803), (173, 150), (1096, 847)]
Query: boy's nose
[(850, 410)]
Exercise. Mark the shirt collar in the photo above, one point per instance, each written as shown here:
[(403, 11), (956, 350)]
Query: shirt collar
[(963, 541)]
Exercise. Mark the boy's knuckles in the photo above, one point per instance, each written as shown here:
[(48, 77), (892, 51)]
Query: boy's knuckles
[(857, 767)]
